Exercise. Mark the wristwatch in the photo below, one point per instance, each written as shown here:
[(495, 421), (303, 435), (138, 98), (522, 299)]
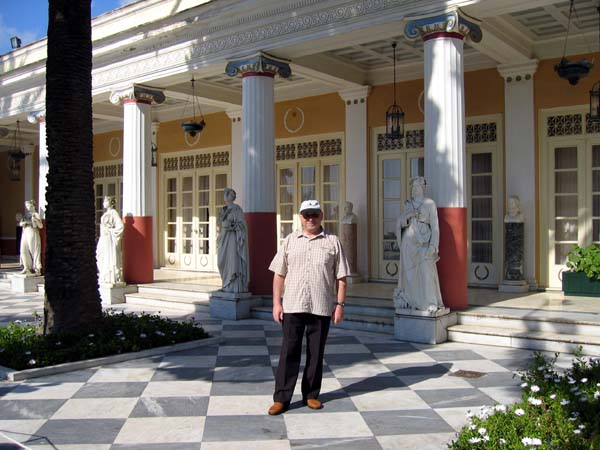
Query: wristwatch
[(342, 304)]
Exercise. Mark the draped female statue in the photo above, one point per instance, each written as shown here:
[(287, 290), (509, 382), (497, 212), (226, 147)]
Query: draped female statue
[(232, 246), (108, 250), (419, 236), (31, 243)]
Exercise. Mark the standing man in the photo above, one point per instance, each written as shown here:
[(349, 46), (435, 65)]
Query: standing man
[(311, 264)]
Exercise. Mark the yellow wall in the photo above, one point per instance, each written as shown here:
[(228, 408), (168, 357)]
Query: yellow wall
[(12, 203), (322, 114), (102, 146), (216, 133)]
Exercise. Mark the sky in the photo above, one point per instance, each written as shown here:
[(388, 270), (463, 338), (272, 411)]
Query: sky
[(28, 19)]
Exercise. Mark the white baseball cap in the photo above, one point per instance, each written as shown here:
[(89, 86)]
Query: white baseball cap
[(310, 205)]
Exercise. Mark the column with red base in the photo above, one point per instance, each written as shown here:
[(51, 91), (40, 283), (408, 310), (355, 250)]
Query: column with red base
[(258, 161), (445, 143), (138, 208)]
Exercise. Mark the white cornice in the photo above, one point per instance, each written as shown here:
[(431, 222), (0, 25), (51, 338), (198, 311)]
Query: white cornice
[(357, 93), (519, 71)]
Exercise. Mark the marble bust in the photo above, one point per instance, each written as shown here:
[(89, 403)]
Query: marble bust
[(31, 243), (349, 216), (513, 210)]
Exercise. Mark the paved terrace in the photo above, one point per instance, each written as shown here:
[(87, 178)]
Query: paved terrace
[(378, 394)]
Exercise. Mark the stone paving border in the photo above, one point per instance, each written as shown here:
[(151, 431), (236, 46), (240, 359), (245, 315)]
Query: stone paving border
[(10, 375)]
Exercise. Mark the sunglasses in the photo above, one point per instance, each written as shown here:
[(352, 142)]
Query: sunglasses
[(314, 215)]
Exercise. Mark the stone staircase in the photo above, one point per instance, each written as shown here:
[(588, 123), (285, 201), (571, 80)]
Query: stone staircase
[(362, 314), (534, 329), (179, 296)]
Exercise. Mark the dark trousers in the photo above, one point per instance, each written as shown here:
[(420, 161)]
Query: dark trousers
[(294, 326)]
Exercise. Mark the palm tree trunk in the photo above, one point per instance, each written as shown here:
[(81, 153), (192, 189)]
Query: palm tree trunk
[(72, 301)]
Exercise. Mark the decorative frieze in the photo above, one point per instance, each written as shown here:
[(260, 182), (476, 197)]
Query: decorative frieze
[(186, 162), (196, 161), (481, 132), (415, 139), (385, 143), (564, 125), (203, 160), (108, 170), (171, 164), (220, 159), (591, 126), (330, 147), (307, 149), (285, 151)]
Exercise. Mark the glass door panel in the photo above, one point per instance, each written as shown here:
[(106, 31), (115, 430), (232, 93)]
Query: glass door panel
[(391, 179), (285, 201), (187, 222), (330, 187), (208, 260), (171, 221), (203, 216)]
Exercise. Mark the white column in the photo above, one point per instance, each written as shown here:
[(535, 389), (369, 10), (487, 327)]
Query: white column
[(237, 155), (445, 141), (153, 207), (519, 120), (39, 117), (137, 164), (357, 167)]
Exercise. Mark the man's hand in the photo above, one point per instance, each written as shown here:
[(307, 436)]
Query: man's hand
[(277, 312), (338, 314)]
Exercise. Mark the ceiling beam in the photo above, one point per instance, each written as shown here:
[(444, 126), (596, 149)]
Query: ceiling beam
[(201, 99), (500, 44), (329, 70)]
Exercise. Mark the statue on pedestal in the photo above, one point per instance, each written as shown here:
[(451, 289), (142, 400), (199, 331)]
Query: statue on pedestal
[(418, 233), (31, 243), (348, 238), (108, 249), (349, 216), (514, 236), (232, 246)]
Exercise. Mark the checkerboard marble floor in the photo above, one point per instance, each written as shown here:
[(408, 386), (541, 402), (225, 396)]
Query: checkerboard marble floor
[(378, 393)]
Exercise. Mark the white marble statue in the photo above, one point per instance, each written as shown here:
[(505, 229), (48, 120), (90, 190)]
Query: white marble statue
[(232, 246), (513, 210), (31, 243), (418, 233), (108, 250), (349, 217)]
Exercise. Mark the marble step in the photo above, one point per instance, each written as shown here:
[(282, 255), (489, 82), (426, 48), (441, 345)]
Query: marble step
[(5, 283), (557, 322), (351, 321), (361, 306), (516, 338), (178, 290), (199, 303)]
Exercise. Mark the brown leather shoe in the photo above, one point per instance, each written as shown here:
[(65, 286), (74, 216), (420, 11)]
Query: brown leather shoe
[(277, 408), (313, 403)]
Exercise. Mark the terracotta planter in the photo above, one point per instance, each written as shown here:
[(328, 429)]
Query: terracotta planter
[(578, 283)]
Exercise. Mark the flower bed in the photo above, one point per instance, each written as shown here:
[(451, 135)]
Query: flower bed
[(23, 347), (559, 411)]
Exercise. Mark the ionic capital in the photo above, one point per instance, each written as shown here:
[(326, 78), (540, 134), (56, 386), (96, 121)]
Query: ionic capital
[(355, 95), (518, 72), (36, 116), (449, 23), (259, 64), (138, 93)]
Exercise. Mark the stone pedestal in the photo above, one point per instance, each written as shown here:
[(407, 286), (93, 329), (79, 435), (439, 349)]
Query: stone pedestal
[(113, 294), (232, 305), (348, 238), (422, 326), (514, 261), (22, 283)]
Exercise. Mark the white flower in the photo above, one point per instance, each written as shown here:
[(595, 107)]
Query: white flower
[(58, 343), (597, 395), (500, 408), (122, 338), (564, 402), (472, 427), (159, 333), (142, 335), (519, 412), (577, 431), (474, 440), (531, 441), (535, 388), (482, 431), (572, 419), (502, 441), (90, 335), (469, 414), (571, 381), (174, 332), (547, 376), (31, 362), (540, 368), (90, 344), (583, 399), (486, 438), (557, 380), (18, 321), (534, 401), (523, 385), (28, 352), (581, 427), (584, 380), (119, 333), (553, 396), (574, 389)]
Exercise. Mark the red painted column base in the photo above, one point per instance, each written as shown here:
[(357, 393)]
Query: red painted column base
[(262, 246), (452, 266), (137, 250)]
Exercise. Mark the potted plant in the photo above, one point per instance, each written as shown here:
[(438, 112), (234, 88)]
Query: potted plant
[(583, 278)]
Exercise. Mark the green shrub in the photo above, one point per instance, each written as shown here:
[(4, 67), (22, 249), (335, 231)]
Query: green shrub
[(557, 411), (585, 260), (22, 346)]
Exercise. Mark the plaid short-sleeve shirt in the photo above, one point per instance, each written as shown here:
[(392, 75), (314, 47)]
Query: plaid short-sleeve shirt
[(311, 266)]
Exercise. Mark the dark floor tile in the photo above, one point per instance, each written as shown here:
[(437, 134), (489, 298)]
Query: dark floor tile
[(111, 390), (78, 376), (495, 379), (82, 431), (243, 341), (391, 347), (454, 398), (372, 384), (240, 361), (243, 428), (241, 327), (416, 421), (245, 373), (137, 363), (273, 333), (170, 407), (242, 387), (337, 340), (515, 364), (175, 446), (336, 401), (432, 370), (349, 358), (28, 409)]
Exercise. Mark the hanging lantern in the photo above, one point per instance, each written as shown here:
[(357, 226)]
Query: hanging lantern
[(193, 127), (394, 116)]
